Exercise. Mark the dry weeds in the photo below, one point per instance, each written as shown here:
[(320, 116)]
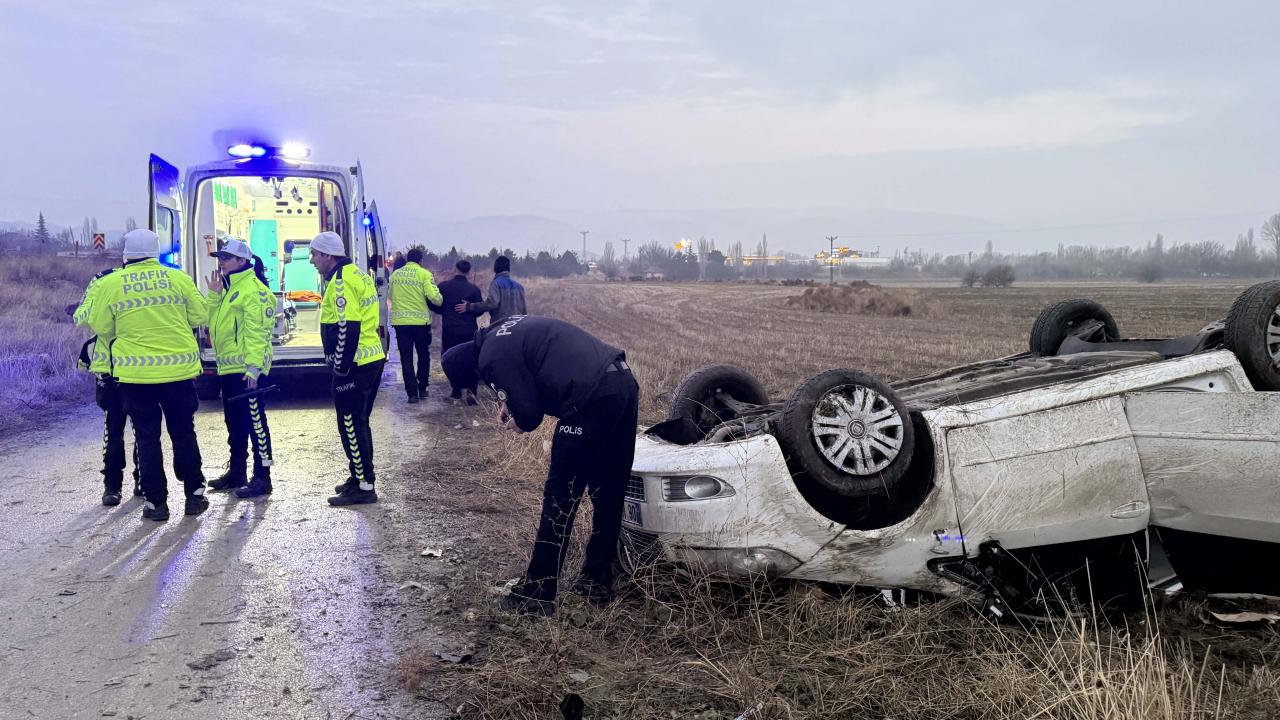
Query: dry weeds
[(686, 646), (38, 342)]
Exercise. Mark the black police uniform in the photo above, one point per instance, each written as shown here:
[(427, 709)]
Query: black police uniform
[(543, 366), (456, 327)]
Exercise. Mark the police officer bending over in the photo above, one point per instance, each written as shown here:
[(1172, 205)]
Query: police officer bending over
[(150, 311), (543, 366), (241, 320), (349, 332), (95, 357)]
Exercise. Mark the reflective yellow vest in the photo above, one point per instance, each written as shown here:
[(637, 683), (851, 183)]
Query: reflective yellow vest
[(242, 320), (149, 311), (411, 287), (99, 357), (349, 319)]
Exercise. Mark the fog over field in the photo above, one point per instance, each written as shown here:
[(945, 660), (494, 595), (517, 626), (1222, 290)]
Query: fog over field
[(922, 126)]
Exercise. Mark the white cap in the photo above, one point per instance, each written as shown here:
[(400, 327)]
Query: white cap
[(329, 243), (234, 247), (141, 244)]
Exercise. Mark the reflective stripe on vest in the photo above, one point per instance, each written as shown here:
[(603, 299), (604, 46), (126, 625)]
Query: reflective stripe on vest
[(149, 301), (157, 360)]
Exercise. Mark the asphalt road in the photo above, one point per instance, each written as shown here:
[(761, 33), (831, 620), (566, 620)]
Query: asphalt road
[(269, 608)]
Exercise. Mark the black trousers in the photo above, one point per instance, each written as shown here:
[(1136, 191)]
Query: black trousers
[(448, 340), (411, 339), (353, 397), (591, 453), (246, 425), (107, 394), (176, 404)]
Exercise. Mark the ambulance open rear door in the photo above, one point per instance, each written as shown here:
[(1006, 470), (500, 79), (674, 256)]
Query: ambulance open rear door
[(164, 215)]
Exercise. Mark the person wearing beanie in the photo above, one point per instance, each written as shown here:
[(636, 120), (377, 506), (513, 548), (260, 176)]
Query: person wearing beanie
[(241, 322), (149, 311), (458, 327), (413, 289), (543, 366), (506, 296), (349, 333)]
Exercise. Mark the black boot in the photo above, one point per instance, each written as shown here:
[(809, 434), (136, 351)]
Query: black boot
[(197, 504), (159, 513), (345, 487), (598, 594), (354, 496), (111, 498), (259, 485), (229, 480)]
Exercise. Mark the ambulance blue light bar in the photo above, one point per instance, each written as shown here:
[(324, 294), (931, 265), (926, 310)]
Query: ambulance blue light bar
[(244, 150), (368, 221)]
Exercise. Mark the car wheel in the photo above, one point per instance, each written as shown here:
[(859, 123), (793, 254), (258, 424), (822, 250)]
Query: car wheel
[(1252, 332), (700, 397), (1058, 321), (848, 432)]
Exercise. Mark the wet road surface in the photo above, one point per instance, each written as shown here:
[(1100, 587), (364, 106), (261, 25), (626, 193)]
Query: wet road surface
[(269, 608)]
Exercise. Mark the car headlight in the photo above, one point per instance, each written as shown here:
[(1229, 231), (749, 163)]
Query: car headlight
[(694, 487), (766, 561)]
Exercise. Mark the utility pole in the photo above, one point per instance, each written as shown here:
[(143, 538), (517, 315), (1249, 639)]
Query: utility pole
[(831, 257), (584, 245), (625, 242)]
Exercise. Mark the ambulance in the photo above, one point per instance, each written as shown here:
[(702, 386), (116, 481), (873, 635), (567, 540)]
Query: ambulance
[(274, 199)]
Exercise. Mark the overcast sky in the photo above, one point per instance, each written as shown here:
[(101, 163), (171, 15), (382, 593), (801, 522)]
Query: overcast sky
[(1014, 113)]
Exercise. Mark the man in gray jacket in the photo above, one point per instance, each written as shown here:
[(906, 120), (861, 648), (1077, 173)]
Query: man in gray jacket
[(506, 296)]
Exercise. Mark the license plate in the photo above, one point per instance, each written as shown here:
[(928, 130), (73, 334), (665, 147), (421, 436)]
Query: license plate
[(631, 513)]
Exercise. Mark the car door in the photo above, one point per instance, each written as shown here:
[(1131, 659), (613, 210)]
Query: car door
[(164, 215), (1061, 475), (1209, 460)]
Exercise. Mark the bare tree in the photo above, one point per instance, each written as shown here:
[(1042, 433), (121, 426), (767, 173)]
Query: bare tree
[(1271, 234), (130, 224), (704, 252)]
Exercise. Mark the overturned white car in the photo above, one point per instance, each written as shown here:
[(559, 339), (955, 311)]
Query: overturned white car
[(1047, 473)]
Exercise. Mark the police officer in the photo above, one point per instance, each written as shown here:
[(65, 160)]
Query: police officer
[(412, 287), (543, 366), (95, 358), (349, 332), (150, 311), (241, 321)]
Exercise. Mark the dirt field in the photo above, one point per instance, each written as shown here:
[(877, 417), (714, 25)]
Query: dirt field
[(690, 649)]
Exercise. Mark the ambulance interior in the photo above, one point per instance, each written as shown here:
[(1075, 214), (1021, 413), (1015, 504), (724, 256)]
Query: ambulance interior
[(267, 213)]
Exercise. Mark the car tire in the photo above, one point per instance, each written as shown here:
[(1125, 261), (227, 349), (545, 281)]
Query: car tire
[(1057, 321), (841, 414), (695, 396), (207, 387), (1252, 332)]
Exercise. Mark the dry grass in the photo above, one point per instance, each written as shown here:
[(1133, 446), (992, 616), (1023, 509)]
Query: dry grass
[(38, 342), (688, 647)]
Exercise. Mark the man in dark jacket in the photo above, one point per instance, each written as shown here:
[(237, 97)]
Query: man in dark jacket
[(458, 327), (506, 296), (543, 366)]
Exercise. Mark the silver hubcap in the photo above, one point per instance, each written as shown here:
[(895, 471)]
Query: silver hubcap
[(1273, 336), (857, 429)]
